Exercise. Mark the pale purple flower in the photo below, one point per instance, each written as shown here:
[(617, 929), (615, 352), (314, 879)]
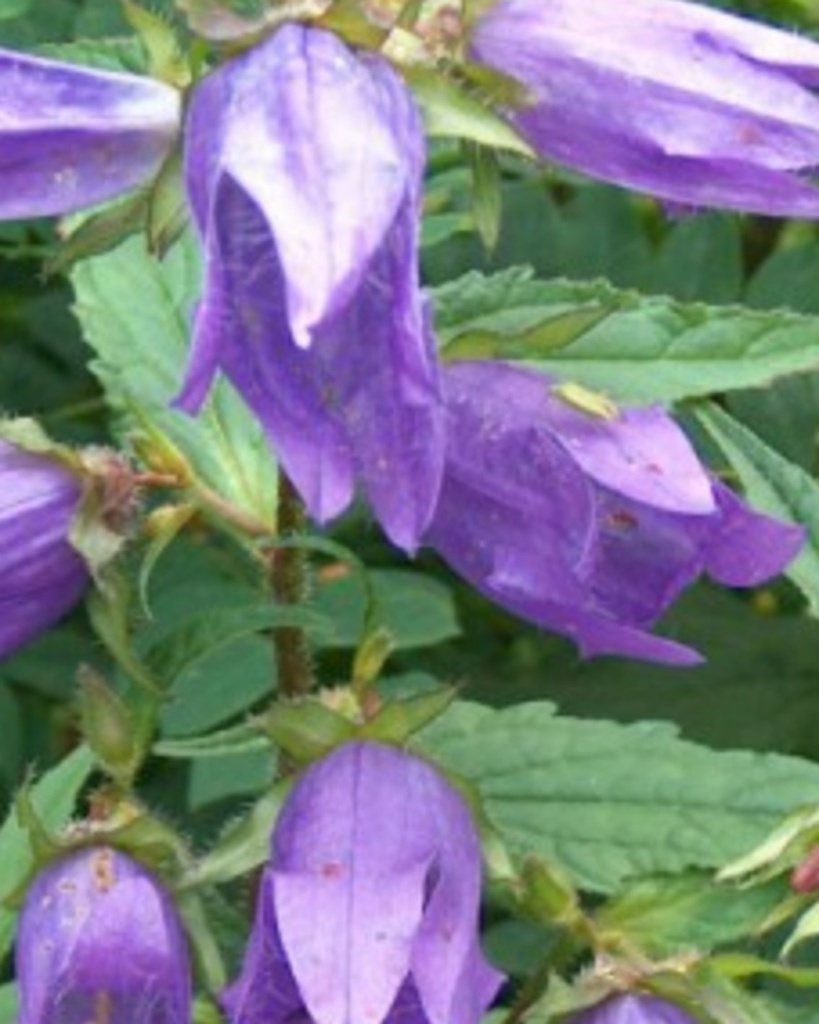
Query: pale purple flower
[(304, 166), (71, 136), (587, 525), (634, 1009), (678, 100), (100, 940), (41, 575), (368, 910)]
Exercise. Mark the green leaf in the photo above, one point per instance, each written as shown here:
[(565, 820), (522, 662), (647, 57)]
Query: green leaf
[(634, 347), (54, 798), (213, 629), (118, 53), (228, 682), (13, 8), (249, 773), (8, 1002), (238, 739), (244, 845), (135, 312), (773, 485), (449, 112), (610, 802), (417, 610), (663, 915)]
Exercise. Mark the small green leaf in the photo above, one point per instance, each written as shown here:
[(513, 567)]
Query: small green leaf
[(400, 719), (776, 851), (773, 485), (486, 194), (243, 846), (108, 725), (450, 112), (238, 739), (666, 914), (416, 610), (127, 301), (250, 773), (109, 612), (307, 730), (211, 630), (54, 799)]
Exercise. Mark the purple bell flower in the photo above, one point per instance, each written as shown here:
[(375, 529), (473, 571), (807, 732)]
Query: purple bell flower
[(99, 940), (675, 99), (368, 910), (304, 167), (72, 137), (634, 1009), (41, 575), (587, 525)]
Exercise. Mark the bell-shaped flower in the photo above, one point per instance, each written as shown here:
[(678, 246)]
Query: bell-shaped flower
[(675, 99), (368, 910), (588, 523), (100, 940), (631, 1008), (41, 575), (72, 137), (304, 163)]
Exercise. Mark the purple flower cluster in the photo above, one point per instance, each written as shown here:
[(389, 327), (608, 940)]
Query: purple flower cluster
[(367, 911), (303, 165)]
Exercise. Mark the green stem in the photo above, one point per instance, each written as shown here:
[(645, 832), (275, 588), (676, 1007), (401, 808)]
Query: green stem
[(288, 581)]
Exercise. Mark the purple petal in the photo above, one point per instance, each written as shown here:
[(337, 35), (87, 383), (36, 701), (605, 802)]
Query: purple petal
[(98, 935), (41, 576), (361, 399), (714, 112), (71, 137), (309, 132), (747, 548), (639, 453), (362, 928), (265, 992)]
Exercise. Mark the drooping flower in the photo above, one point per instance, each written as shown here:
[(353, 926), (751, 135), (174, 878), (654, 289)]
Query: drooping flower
[(368, 909), (587, 524), (631, 1008), (71, 136), (41, 575), (100, 940), (675, 99), (304, 165)]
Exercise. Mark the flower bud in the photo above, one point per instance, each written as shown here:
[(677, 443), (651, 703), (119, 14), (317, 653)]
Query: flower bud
[(631, 1008), (100, 943)]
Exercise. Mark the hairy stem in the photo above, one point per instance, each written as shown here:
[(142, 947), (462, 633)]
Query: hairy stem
[(288, 580)]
